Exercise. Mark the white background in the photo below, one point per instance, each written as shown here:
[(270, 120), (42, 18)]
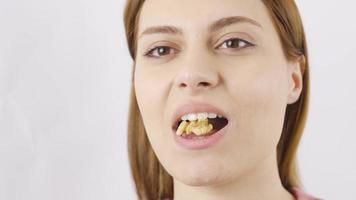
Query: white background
[(64, 86)]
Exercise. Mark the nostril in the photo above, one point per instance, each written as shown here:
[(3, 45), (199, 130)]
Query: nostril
[(183, 85), (204, 84), (201, 84)]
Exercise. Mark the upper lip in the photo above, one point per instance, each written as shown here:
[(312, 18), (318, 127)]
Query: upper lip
[(195, 107)]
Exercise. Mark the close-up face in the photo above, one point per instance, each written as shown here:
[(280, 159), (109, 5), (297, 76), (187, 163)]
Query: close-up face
[(214, 57)]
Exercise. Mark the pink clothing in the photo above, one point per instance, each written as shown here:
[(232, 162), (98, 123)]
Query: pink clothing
[(301, 195), (297, 193)]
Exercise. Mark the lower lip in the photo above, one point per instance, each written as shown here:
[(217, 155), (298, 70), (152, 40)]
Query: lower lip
[(197, 143)]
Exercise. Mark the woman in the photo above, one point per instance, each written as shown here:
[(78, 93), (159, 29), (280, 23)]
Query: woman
[(219, 98)]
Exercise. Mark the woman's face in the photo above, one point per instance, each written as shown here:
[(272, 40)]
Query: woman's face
[(236, 65)]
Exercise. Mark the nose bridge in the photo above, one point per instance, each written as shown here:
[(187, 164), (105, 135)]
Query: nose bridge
[(196, 70)]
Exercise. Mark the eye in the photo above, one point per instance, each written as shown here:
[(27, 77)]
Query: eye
[(235, 43), (159, 51)]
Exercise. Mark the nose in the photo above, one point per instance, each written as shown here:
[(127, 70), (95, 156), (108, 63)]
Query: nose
[(197, 75)]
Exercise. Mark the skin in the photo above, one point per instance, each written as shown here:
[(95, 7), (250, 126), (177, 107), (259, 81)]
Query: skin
[(251, 84)]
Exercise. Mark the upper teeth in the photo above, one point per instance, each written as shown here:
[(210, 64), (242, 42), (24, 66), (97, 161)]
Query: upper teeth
[(201, 116)]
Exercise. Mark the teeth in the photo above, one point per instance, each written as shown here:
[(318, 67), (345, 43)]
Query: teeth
[(184, 117), (212, 115), (201, 116), (192, 117)]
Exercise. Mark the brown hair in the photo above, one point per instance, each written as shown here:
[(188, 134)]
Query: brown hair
[(151, 180)]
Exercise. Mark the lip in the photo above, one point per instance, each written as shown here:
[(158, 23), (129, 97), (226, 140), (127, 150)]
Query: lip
[(195, 108)]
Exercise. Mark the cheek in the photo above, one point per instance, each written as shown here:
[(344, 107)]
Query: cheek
[(150, 95), (259, 98)]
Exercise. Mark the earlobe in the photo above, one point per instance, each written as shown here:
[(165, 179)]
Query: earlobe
[(296, 71)]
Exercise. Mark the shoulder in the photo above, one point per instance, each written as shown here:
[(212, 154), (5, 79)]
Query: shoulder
[(301, 195)]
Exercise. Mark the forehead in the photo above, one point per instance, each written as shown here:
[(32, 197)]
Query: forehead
[(192, 14)]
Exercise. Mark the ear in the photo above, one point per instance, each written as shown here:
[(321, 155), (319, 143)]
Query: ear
[(296, 70)]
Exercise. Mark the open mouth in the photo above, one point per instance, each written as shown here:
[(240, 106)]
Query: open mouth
[(199, 124)]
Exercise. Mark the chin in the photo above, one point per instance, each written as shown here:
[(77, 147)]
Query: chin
[(207, 176)]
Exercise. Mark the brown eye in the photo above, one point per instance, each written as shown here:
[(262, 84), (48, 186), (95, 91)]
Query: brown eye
[(159, 51), (235, 43)]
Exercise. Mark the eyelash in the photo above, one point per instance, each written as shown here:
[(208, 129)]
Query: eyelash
[(149, 52)]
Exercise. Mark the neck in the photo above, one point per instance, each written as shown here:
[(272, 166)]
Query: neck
[(263, 182)]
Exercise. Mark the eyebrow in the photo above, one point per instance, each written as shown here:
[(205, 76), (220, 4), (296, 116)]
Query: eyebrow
[(215, 26)]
